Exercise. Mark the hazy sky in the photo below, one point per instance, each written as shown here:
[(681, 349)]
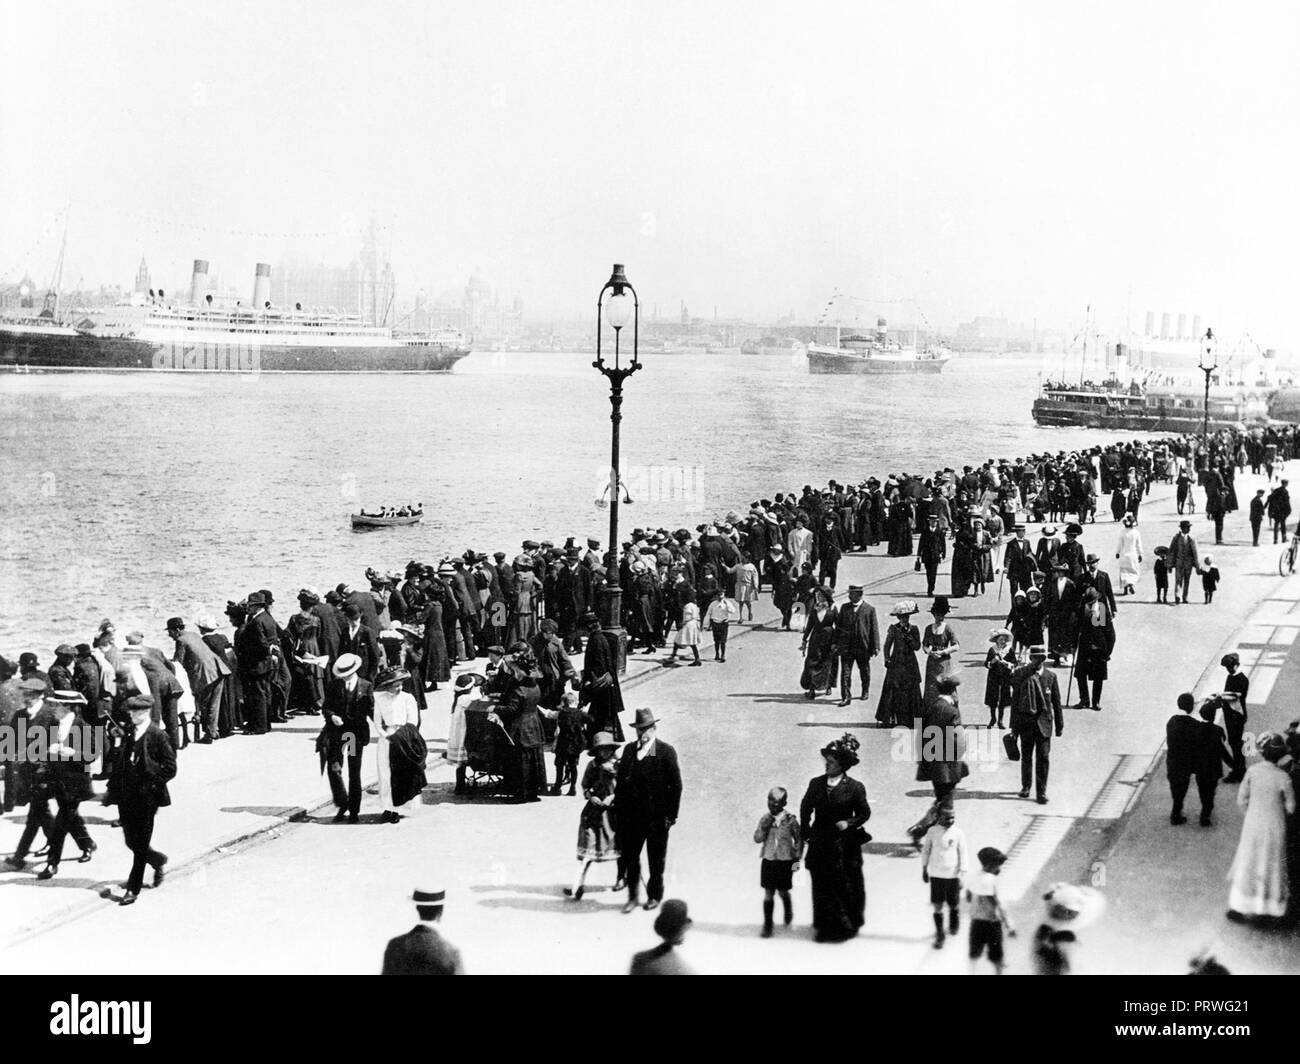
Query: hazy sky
[(1016, 158)]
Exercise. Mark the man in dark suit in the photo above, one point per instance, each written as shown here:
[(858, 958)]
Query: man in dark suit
[(1279, 509), (1018, 561), (1093, 576), (1182, 753), (1256, 516), (1183, 560), (164, 688), (423, 950), (1035, 712), (349, 707), (207, 674), (857, 640), (572, 599), (357, 639), (146, 761), (257, 646), (931, 549), (647, 800), (1045, 552)]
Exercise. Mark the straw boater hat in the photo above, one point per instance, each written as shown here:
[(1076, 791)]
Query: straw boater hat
[(904, 608), (346, 665), (1070, 906)]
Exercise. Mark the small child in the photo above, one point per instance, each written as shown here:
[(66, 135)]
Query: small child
[(570, 740), (987, 917), (1161, 569), (717, 619), (1209, 579), (943, 863), (999, 661), (778, 834), (747, 581)]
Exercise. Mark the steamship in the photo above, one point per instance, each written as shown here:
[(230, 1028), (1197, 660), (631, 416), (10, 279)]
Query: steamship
[(204, 337), (876, 352)]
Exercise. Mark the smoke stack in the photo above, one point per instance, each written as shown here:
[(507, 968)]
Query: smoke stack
[(1196, 327), (261, 286), (1164, 325), (198, 282), (1150, 329), (1182, 326)]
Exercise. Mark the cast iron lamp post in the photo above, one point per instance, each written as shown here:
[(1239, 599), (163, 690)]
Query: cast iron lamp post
[(615, 306)]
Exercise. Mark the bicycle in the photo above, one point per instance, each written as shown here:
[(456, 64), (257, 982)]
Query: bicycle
[(1286, 563)]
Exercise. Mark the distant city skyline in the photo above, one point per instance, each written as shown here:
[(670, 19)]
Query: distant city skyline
[(1007, 159)]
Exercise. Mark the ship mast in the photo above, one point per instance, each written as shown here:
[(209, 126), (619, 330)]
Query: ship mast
[(55, 291)]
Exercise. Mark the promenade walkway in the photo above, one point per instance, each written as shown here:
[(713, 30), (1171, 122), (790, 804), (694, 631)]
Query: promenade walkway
[(312, 896)]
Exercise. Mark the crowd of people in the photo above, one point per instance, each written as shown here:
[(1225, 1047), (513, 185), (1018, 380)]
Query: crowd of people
[(365, 658)]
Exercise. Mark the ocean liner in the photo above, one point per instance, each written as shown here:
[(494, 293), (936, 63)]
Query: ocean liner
[(204, 337)]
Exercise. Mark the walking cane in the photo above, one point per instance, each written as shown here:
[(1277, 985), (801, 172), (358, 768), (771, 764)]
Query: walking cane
[(1074, 658), (1004, 578)]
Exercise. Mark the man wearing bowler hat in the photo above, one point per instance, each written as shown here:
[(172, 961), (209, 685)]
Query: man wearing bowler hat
[(1035, 713), (207, 674), (423, 950), (349, 707), (858, 641), (1183, 560), (647, 799)]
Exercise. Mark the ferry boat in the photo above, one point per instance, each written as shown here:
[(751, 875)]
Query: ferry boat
[(203, 337), (772, 345), (1171, 408), (875, 353)]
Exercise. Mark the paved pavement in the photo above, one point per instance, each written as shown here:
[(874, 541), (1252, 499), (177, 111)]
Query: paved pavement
[(740, 728)]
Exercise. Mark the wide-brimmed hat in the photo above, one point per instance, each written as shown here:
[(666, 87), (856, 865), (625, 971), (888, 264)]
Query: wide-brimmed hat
[(672, 919), (603, 739), (844, 750), (466, 680), (389, 677), (645, 718), (1049, 530), (998, 633), (1072, 906), (1074, 529), (346, 665), (991, 857), (904, 608), (941, 604), (66, 698), (947, 683)]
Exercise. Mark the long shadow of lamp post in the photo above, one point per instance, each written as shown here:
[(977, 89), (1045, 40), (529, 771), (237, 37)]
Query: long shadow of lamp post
[(615, 306)]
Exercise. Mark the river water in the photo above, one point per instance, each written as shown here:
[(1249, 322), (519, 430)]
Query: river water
[(141, 496)]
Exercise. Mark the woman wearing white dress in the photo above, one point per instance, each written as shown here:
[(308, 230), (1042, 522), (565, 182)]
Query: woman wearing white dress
[(1129, 553), (1258, 878), (687, 634), (393, 709)]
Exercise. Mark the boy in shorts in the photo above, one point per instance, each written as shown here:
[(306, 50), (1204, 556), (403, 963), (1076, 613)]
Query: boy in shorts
[(943, 863), (987, 917)]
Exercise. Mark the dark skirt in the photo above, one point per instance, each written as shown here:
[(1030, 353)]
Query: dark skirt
[(776, 875), (819, 672), (900, 697), (839, 892)]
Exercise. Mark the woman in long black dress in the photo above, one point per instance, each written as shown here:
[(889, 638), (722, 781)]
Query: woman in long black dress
[(831, 816), (900, 695), (821, 661)]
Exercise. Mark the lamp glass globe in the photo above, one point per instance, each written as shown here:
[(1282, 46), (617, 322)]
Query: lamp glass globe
[(618, 310)]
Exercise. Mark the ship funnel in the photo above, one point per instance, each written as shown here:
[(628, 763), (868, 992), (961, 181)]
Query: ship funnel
[(1182, 327), (1164, 326), (261, 286), (1196, 327), (199, 282), (1150, 330)]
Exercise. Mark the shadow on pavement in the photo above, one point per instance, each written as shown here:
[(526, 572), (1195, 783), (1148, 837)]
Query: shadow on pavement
[(282, 812)]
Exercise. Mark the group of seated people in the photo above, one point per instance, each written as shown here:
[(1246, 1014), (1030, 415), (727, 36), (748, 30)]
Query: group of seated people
[(405, 511)]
